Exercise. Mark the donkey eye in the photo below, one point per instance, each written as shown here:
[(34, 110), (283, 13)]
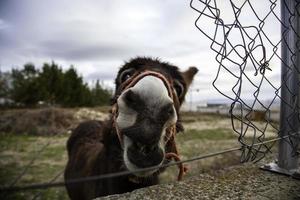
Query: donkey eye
[(178, 88), (125, 75)]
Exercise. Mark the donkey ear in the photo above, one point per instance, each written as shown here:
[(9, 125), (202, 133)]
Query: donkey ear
[(189, 74)]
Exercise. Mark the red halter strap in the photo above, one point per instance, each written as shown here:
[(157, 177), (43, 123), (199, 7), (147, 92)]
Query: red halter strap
[(170, 131)]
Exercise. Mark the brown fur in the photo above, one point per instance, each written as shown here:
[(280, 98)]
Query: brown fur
[(94, 148)]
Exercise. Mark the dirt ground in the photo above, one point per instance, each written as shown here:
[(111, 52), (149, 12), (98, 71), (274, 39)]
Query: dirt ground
[(203, 134)]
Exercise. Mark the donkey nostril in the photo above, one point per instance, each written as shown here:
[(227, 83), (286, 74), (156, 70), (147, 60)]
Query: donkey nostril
[(153, 148), (145, 149), (139, 145), (149, 149), (130, 97)]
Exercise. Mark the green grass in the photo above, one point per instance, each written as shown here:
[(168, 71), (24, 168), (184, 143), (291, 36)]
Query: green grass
[(188, 117), (194, 143), (16, 151), (207, 134)]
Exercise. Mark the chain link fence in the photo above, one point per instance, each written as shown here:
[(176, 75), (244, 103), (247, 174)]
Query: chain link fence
[(248, 56), (248, 52)]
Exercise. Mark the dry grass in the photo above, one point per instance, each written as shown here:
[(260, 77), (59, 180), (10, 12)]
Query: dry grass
[(47, 121), (25, 132), (17, 151)]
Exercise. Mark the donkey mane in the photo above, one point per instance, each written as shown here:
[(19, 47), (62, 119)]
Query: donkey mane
[(94, 149)]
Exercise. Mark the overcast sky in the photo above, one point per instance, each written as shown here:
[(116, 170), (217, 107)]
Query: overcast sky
[(97, 36)]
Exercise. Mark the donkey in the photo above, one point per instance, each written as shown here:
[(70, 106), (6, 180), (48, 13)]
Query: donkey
[(139, 134)]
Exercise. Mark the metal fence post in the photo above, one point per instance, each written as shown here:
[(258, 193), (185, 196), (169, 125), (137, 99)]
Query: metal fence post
[(290, 90)]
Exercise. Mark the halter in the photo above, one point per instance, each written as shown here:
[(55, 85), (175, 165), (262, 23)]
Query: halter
[(170, 131)]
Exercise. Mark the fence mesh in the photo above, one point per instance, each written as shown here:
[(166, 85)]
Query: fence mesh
[(248, 56), (248, 53)]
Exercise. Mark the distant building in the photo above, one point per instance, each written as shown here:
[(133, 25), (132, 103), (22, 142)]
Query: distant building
[(217, 105), (264, 110), (6, 101)]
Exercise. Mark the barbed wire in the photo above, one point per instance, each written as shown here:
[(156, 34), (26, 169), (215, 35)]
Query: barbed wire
[(51, 181), (110, 175), (52, 184), (25, 169), (30, 163), (241, 48), (242, 56)]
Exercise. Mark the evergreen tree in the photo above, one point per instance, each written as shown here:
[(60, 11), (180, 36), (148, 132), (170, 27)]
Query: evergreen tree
[(76, 93), (100, 95), (25, 88), (4, 85), (51, 83)]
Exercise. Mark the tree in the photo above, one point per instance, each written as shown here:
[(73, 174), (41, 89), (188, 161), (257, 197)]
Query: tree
[(4, 85), (51, 83), (76, 93), (100, 96), (25, 87), (54, 86)]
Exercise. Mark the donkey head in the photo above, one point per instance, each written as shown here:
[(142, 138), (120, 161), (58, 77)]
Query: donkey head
[(149, 94)]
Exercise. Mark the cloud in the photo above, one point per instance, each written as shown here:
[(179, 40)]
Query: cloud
[(73, 51), (3, 24), (98, 36), (104, 76)]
